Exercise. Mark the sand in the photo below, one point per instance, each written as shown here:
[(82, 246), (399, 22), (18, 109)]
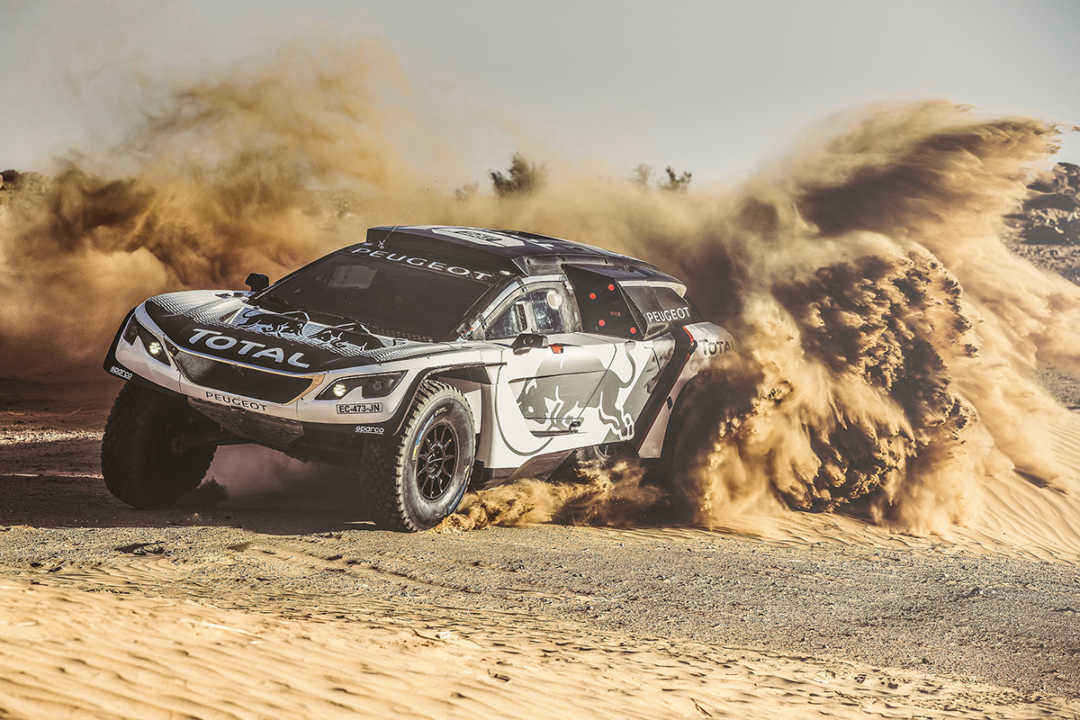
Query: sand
[(72, 653), (285, 603)]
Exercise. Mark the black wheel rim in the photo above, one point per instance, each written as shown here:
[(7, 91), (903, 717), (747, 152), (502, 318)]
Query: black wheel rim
[(437, 461)]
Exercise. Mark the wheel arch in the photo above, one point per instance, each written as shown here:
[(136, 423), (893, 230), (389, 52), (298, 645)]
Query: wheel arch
[(467, 378), (689, 392), (398, 496)]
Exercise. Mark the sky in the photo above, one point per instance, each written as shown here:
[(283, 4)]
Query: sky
[(711, 87)]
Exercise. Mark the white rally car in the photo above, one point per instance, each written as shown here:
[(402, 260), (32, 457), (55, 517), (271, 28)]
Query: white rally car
[(428, 358)]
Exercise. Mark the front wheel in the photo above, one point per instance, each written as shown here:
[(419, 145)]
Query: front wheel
[(419, 477), (144, 458)]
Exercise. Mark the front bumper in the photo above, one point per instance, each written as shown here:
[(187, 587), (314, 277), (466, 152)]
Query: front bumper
[(307, 441), (237, 387)]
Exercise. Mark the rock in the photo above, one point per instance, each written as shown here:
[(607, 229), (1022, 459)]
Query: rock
[(155, 547)]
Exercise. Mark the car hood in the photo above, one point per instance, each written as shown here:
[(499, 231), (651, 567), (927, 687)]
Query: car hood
[(222, 324)]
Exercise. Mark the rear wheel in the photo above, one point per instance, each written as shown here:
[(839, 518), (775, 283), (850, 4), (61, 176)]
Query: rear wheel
[(420, 476), (145, 457), (691, 432)]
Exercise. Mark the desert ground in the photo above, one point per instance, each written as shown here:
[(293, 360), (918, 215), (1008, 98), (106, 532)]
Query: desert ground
[(282, 600), (268, 592)]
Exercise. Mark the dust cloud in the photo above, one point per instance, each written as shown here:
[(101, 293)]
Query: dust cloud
[(888, 341)]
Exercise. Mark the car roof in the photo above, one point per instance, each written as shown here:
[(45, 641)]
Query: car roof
[(508, 250)]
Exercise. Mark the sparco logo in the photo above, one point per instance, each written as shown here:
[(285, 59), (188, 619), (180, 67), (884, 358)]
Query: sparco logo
[(219, 341), (370, 430), (679, 313), (120, 372)]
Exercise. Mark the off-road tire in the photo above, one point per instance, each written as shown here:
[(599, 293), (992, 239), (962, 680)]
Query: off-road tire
[(396, 486), (141, 461)]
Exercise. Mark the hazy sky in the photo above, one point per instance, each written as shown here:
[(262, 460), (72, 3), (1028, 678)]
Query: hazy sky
[(712, 87)]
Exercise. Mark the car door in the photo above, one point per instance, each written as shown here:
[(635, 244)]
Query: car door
[(551, 384), (611, 321)]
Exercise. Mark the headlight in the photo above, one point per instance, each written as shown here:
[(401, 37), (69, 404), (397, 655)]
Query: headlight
[(154, 347), (371, 386)]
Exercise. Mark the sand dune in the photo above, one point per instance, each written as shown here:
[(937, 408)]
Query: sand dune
[(71, 653)]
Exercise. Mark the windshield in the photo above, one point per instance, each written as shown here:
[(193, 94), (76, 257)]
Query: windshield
[(386, 296)]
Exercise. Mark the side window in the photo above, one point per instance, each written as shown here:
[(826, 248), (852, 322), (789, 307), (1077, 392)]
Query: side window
[(604, 310), (545, 310), (661, 306), (507, 324), (549, 308)]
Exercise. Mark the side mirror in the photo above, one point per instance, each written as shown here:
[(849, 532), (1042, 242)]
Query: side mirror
[(257, 281), (525, 342)]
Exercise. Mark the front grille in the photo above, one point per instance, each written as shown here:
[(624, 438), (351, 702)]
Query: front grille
[(240, 380)]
